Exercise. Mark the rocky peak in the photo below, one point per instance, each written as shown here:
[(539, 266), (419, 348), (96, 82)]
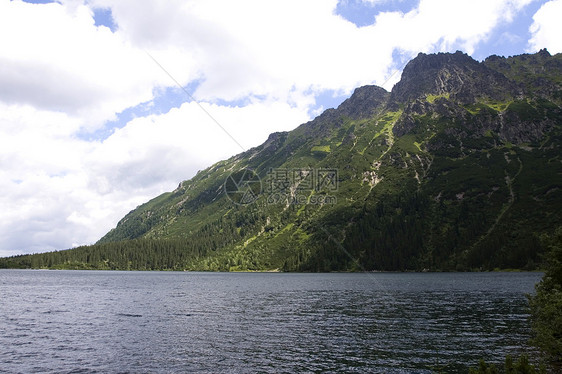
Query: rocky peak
[(455, 74), (437, 61), (364, 102), (273, 143)]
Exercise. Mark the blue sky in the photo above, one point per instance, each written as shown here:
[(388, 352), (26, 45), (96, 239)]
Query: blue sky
[(93, 122), (363, 13)]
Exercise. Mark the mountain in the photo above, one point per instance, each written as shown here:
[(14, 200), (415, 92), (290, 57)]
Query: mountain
[(459, 167)]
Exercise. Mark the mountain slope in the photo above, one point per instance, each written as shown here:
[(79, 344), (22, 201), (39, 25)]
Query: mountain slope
[(458, 167)]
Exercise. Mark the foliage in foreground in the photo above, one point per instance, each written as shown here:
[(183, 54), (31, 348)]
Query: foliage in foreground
[(522, 366), (546, 305)]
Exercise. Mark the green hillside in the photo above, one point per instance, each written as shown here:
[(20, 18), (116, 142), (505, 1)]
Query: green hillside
[(458, 168)]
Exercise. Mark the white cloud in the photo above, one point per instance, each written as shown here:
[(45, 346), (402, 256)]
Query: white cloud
[(57, 59), (60, 191), (277, 48), (174, 145), (443, 25), (60, 75), (547, 28)]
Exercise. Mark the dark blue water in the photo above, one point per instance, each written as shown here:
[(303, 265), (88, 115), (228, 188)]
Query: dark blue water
[(160, 322)]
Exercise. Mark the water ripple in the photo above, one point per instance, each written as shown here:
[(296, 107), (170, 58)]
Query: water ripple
[(99, 322)]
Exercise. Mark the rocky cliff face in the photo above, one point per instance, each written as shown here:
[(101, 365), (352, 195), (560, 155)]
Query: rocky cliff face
[(460, 90), (458, 167), (456, 75), (537, 74)]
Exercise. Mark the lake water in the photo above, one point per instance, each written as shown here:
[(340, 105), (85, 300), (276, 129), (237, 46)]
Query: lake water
[(166, 322)]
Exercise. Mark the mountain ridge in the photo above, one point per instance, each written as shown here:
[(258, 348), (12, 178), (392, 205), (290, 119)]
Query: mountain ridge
[(442, 84), (458, 167)]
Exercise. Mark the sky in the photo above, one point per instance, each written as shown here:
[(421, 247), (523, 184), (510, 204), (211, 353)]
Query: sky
[(105, 104)]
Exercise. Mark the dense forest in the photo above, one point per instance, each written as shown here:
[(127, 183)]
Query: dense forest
[(137, 254)]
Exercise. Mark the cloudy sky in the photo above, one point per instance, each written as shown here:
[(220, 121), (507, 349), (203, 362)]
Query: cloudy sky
[(105, 104)]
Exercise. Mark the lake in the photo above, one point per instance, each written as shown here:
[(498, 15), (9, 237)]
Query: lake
[(168, 322)]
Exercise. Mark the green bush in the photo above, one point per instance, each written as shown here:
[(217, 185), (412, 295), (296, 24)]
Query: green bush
[(546, 305)]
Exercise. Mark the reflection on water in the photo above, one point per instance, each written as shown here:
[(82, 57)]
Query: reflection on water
[(159, 322)]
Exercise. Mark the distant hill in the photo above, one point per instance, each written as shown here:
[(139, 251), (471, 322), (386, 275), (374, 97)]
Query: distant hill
[(458, 168)]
